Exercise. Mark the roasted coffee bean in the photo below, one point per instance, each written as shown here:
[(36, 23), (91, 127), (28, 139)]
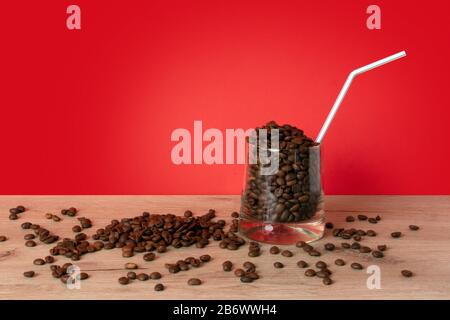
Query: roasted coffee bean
[(159, 287), (414, 227), (126, 254), (80, 237), (30, 243), (188, 214), (75, 257), (357, 237), (205, 258), (142, 277), (310, 273), (287, 253), (39, 262), (239, 272), (26, 225), (372, 220), (3, 238), (321, 265), (252, 275), (356, 266), (149, 256), (377, 254), (378, 218), (55, 218), (397, 234), (329, 225), (194, 282), (48, 216), (84, 276), (327, 281), (13, 211), (161, 249), (364, 249), (195, 263), (235, 215), (339, 262), (329, 246), (371, 233), (155, 275), (355, 246), (322, 274), (337, 232), (361, 233), (382, 247), (246, 279), (76, 229), (227, 266), (131, 266), (300, 244), (85, 222), (174, 269), (124, 280), (314, 253), (254, 253), (302, 264), (20, 209), (350, 219), (249, 267), (345, 245), (29, 274), (131, 275), (407, 273), (278, 265), (362, 217), (274, 250), (13, 216)]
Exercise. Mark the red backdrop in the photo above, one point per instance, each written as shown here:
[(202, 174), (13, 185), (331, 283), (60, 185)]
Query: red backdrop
[(91, 111)]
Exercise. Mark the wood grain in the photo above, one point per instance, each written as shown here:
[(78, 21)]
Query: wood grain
[(425, 252)]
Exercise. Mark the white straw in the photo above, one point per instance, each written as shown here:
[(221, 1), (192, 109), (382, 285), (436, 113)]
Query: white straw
[(347, 83)]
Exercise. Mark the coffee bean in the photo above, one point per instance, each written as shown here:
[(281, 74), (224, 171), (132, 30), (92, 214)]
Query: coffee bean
[(239, 272), (227, 266), (329, 246), (3, 238), (377, 254), (329, 225), (382, 247), (142, 277), (188, 214), (302, 264), (322, 274), (20, 209), (300, 244), (76, 229), (254, 253), (13, 211), (13, 216), (30, 243), (362, 217), (49, 259), (274, 250), (29, 274), (194, 282), (149, 256), (287, 253), (350, 219), (356, 266), (355, 246), (131, 275), (378, 218), (361, 233), (39, 262), (327, 281), (55, 218), (235, 215), (161, 249), (124, 280), (84, 276), (321, 264), (345, 245), (372, 220), (131, 266), (174, 269), (159, 287), (397, 234), (195, 263), (278, 265), (407, 273), (246, 279), (205, 258), (249, 267), (252, 275), (155, 275), (357, 237), (364, 249), (414, 227), (339, 262), (371, 233), (310, 273), (26, 225), (48, 216), (314, 253)]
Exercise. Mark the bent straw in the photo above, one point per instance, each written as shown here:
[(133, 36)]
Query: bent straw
[(347, 83)]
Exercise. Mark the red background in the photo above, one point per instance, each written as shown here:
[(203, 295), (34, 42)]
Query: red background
[(91, 111)]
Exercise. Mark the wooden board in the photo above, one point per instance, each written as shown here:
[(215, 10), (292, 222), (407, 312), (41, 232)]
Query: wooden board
[(425, 252)]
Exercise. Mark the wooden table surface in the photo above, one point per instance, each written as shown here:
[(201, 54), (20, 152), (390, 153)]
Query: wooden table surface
[(426, 252)]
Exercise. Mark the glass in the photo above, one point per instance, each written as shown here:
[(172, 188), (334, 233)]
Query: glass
[(285, 206)]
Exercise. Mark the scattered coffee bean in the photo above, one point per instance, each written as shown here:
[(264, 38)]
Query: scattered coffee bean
[(131, 266), (30, 243), (407, 273), (39, 262), (287, 253), (378, 218), (246, 279), (205, 258), (188, 214), (55, 218), (300, 244), (278, 265), (355, 246), (321, 265), (327, 281), (345, 245), (29, 274), (194, 282), (149, 256), (48, 216), (350, 219), (377, 254), (372, 220), (76, 229), (274, 250), (322, 274), (329, 246), (396, 234), (131, 275), (20, 209), (329, 225), (314, 253), (155, 275), (235, 215), (382, 247), (414, 227), (356, 266), (26, 225), (124, 280), (159, 287), (310, 273), (249, 267), (362, 217), (3, 238), (339, 262), (142, 277), (13, 216), (302, 264), (371, 233), (364, 249), (84, 276), (227, 266), (239, 272), (357, 237)]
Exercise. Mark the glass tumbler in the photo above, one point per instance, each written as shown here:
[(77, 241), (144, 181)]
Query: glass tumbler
[(285, 206)]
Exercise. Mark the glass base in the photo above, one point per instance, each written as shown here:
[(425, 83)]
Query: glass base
[(284, 233)]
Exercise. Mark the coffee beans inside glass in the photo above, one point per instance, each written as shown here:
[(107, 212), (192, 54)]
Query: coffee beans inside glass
[(282, 198)]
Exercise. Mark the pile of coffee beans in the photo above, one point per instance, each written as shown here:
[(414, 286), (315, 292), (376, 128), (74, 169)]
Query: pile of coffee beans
[(43, 234), (15, 212), (53, 217), (61, 272), (291, 193), (247, 274), (71, 212)]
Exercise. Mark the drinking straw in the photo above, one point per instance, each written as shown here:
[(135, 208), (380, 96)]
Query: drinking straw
[(347, 84)]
